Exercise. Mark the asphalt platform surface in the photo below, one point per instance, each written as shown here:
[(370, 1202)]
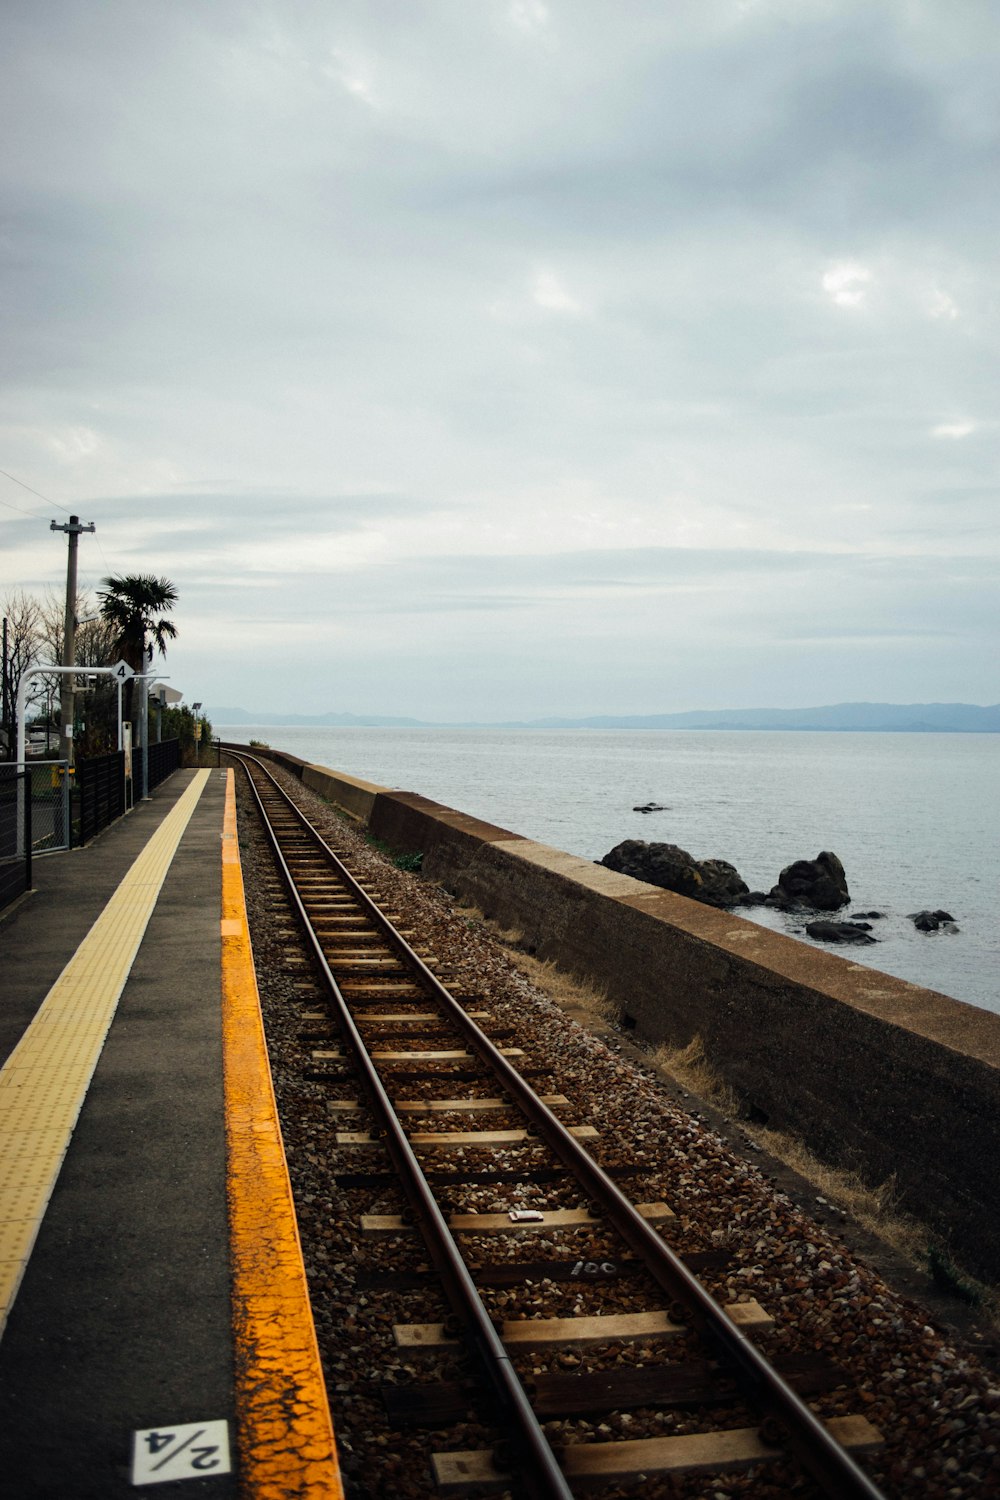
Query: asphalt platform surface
[(122, 1324)]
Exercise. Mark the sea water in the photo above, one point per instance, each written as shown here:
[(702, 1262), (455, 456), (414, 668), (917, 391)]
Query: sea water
[(915, 818)]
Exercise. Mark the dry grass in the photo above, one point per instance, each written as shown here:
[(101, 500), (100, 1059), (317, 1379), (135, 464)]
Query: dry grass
[(875, 1209), (578, 1000), (691, 1068)]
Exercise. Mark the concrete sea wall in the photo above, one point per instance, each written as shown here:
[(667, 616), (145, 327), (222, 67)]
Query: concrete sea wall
[(874, 1074)]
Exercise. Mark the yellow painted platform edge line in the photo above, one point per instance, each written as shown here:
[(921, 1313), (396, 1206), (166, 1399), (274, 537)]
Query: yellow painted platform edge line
[(285, 1431)]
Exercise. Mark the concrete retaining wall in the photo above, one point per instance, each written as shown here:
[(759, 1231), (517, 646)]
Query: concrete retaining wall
[(873, 1073), (354, 797)]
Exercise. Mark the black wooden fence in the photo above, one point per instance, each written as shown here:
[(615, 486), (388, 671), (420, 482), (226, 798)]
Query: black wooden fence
[(100, 793), (15, 814), (164, 757)]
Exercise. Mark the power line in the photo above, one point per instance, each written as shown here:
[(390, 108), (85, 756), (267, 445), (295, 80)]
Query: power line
[(65, 509), (104, 555), (19, 508), (31, 492), (10, 504)]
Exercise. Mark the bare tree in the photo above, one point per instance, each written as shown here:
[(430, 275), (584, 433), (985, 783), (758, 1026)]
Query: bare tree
[(95, 637), (51, 627), (22, 614), (95, 647), (121, 621)]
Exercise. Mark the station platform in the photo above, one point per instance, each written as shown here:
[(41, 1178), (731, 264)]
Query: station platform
[(155, 1334)]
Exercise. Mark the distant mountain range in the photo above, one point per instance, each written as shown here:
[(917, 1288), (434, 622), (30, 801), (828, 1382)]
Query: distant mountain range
[(901, 718)]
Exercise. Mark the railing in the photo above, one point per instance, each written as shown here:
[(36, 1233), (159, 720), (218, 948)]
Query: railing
[(98, 789), (51, 785), (100, 793), (163, 757), (15, 845)]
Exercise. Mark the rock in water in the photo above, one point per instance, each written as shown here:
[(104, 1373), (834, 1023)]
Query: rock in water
[(666, 865), (713, 881), (722, 883), (753, 898), (840, 932), (818, 883), (933, 921)]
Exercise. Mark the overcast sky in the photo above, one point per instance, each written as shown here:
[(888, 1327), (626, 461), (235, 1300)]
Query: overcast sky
[(497, 358)]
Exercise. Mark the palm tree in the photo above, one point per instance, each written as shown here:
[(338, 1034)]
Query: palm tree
[(130, 603)]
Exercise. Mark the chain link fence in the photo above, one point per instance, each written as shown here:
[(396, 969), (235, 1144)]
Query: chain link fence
[(15, 833), (51, 784)]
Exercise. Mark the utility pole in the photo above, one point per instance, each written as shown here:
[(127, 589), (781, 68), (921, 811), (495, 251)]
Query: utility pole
[(147, 660), (66, 681), (6, 695)]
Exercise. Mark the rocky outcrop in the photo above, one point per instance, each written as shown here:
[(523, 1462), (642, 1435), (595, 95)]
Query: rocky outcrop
[(724, 885), (817, 884), (933, 921), (648, 807), (840, 932), (713, 881)]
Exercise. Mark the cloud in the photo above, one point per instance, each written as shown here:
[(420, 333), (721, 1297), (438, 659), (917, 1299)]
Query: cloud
[(847, 285), (529, 15), (549, 293), (941, 305), (468, 334)]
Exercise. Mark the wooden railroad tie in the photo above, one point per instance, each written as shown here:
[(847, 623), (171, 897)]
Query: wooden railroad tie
[(548, 1219), (674, 1387), (443, 1106), (581, 1332), (424, 1017), (705, 1452), (430, 1138), (446, 1055)]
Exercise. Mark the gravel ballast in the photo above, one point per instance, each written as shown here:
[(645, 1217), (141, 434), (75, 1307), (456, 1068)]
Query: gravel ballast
[(936, 1403)]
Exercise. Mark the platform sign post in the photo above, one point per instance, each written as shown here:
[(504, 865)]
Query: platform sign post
[(143, 680), (121, 672)]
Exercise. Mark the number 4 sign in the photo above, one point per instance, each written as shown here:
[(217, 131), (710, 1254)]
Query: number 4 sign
[(121, 671), (191, 1451)]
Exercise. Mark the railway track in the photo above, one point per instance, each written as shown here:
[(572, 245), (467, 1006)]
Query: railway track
[(599, 1315)]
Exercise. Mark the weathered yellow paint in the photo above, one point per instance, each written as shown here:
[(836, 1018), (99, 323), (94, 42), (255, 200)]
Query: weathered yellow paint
[(284, 1429), (45, 1080)]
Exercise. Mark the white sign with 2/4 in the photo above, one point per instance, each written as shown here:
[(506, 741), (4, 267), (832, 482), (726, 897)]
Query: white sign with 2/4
[(192, 1450), (121, 671)]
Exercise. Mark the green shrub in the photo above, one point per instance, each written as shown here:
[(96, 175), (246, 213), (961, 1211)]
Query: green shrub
[(947, 1277), (412, 862)]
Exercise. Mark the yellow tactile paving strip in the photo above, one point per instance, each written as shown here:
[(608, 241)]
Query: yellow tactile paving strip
[(45, 1080), (285, 1434)]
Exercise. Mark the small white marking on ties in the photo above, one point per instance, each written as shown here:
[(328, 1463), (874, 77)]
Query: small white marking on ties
[(192, 1450)]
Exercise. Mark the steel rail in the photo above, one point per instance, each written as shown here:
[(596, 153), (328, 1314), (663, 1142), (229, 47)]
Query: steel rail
[(788, 1420), (543, 1478)]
